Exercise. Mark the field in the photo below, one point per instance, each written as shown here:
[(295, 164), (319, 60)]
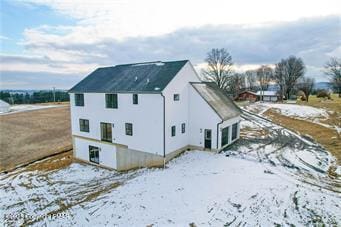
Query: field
[(270, 177), (27, 136), (318, 118)]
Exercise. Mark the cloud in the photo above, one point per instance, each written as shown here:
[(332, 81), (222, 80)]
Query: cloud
[(78, 51), (120, 19)]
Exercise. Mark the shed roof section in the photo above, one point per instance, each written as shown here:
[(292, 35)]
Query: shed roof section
[(267, 93), (217, 99), (148, 77)]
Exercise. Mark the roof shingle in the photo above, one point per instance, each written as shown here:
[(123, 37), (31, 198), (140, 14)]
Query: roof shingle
[(148, 77)]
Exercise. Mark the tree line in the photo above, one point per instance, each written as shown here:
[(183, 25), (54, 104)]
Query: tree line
[(288, 75), (35, 97)]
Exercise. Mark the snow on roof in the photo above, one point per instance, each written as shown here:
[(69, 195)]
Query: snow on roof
[(219, 102), (267, 93)]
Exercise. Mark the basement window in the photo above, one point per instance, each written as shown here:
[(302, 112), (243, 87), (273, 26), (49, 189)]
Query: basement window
[(176, 97), (79, 99)]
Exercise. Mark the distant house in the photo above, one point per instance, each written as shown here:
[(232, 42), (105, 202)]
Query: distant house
[(247, 96), (144, 114), (268, 96), (4, 106)]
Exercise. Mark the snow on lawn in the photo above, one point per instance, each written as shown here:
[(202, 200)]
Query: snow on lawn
[(198, 187), (290, 110), (300, 111), (27, 107)]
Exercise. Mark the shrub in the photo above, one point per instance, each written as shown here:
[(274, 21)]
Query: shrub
[(323, 94)]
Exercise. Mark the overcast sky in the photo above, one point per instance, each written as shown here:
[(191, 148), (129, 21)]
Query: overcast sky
[(50, 43)]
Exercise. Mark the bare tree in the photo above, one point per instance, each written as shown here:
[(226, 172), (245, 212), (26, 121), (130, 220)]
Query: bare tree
[(251, 80), (236, 84), (333, 69), (287, 72), (264, 75), (306, 85), (219, 67)]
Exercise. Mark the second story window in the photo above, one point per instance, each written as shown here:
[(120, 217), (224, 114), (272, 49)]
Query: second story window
[(183, 128), (111, 101), (173, 130), (83, 125), (129, 129), (106, 134), (176, 97), (79, 99), (135, 99)]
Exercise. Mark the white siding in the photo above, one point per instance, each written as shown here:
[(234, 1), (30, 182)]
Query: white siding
[(107, 153), (201, 117), (146, 117), (177, 112)]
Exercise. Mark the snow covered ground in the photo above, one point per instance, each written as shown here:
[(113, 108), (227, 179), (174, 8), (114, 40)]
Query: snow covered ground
[(258, 182), (290, 110), (308, 113), (27, 107)]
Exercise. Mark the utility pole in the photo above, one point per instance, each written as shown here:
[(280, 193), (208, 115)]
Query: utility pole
[(54, 94)]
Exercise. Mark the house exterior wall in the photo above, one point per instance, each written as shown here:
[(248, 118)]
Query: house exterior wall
[(201, 117), (151, 124), (228, 123), (177, 112), (107, 153), (146, 117)]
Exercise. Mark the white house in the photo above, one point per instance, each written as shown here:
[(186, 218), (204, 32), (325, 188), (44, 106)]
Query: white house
[(144, 114), (4, 106), (268, 96)]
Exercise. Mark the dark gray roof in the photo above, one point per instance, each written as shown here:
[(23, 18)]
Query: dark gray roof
[(217, 99), (148, 77)]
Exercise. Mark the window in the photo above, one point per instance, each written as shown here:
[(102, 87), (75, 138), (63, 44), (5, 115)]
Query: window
[(176, 97), (84, 125), (79, 99), (135, 99), (106, 134), (94, 154), (234, 131), (173, 130), (129, 129), (225, 136), (111, 101), (183, 128)]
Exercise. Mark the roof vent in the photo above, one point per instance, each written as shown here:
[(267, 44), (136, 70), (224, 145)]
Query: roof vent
[(156, 88), (147, 80), (135, 78), (159, 63)]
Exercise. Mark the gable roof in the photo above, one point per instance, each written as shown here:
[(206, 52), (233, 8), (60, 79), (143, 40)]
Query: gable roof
[(148, 77), (217, 99), (250, 92)]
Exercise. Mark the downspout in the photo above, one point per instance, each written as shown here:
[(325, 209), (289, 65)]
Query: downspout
[(164, 131), (218, 133)]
